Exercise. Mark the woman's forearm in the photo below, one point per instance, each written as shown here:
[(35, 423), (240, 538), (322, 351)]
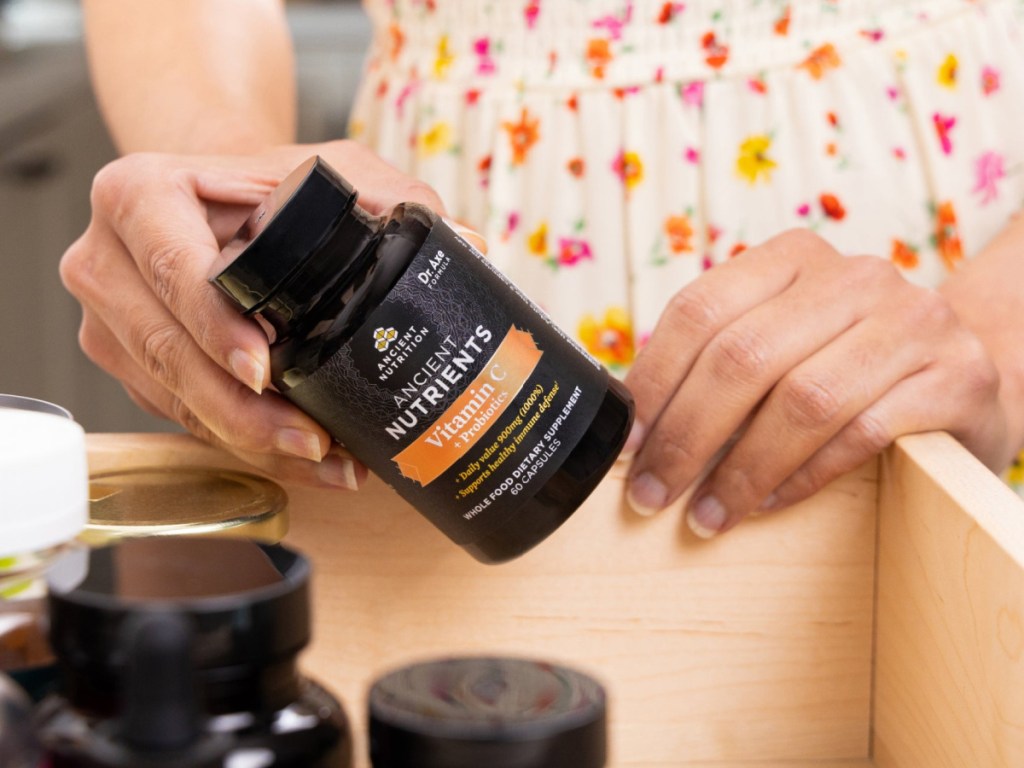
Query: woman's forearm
[(192, 75), (988, 295)]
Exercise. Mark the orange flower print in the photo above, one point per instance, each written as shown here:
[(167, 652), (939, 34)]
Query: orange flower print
[(821, 60), (737, 249), (989, 80), (753, 162), (483, 167), (610, 339), (629, 168), (397, 41), (715, 53), (599, 55), (522, 136), (577, 167), (947, 236), (537, 241), (782, 23), (680, 233), (903, 255), (947, 72), (831, 206), (669, 12)]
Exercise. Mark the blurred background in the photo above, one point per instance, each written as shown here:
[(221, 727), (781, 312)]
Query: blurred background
[(52, 142)]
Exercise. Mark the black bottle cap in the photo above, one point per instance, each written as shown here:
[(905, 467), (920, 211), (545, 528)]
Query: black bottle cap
[(282, 233), (247, 605), (492, 712)]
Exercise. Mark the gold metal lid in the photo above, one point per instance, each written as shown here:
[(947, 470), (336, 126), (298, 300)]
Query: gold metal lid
[(192, 501)]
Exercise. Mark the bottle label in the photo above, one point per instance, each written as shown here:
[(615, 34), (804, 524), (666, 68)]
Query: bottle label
[(457, 390)]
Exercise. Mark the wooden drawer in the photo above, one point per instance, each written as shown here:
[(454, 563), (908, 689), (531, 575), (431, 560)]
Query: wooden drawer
[(880, 623)]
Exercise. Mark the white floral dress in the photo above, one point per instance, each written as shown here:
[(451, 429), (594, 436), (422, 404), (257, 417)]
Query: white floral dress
[(612, 150)]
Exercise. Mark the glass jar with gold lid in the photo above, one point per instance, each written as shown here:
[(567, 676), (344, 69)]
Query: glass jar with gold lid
[(188, 500)]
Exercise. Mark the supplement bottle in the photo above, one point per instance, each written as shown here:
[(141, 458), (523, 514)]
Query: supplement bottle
[(416, 354), (183, 651), (487, 713), (43, 506)]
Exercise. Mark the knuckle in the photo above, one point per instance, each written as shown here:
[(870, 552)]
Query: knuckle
[(187, 418), (159, 347), (801, 243), (739, 354), (421, 192), (870, 434), (166, 259), (672, 453), (694, 309), (810, 402), (76, 266)]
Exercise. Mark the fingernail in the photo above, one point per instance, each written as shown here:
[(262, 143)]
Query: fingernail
[(706, 517), (247, 369), (339, 471), (647, 494), (298, 442), (633, 442)]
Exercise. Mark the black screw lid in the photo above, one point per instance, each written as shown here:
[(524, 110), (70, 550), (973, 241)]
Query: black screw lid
[(247, 605), (282, 233), (493, 712)]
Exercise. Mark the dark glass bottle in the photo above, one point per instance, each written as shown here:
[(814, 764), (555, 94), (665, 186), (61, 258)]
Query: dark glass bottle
[(484, 712), (415, 353), (182, 651)]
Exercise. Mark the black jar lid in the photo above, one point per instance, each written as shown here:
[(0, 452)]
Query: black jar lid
[(282, 233), (486, 712), (247, 605)]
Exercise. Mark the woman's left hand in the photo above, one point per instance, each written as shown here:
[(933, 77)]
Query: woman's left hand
[(797, 364)]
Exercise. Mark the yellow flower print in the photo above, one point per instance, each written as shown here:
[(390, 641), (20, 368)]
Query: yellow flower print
[(947, 72), (629, 167), (1015, 474), (444, 58), (609, 340), (438, 138), (537, 241), (753, 162)]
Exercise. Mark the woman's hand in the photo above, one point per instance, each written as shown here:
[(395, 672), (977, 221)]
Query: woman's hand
[(811, 362), (151, 319)]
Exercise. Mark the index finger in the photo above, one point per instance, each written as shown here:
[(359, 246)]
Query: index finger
[(155, 210)]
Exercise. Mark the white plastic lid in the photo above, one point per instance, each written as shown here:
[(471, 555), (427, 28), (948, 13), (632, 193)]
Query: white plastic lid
[(44, 481)]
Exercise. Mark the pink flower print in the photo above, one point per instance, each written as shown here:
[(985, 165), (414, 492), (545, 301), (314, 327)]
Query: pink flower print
[(692, 155), (511, 225), (572, 250), (893, 93), (693, 93), (404, 95), (803, 211), (615, 24), (629, 167), (874, 35), (899, 153), (484, 62), (531, 12), (943, 125), (989, 170), (989, 80)]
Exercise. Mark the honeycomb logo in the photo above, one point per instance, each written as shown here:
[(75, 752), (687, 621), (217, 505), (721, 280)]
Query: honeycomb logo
[(382, 338)]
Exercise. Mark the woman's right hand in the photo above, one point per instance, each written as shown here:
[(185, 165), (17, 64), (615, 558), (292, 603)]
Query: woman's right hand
[(151, 320)]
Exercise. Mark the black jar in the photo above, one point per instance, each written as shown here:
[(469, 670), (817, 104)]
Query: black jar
[(182, 651), (487, 712), (435, 371)]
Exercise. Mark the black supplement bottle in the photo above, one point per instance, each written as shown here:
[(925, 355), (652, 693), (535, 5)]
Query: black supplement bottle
[(182, 651), (415, 353), (487, 712)]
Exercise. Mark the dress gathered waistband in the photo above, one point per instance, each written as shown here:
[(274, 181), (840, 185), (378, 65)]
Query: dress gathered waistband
[(618, 42)]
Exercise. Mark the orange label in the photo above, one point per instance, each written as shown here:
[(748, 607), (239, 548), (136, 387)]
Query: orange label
[(476, 410)]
